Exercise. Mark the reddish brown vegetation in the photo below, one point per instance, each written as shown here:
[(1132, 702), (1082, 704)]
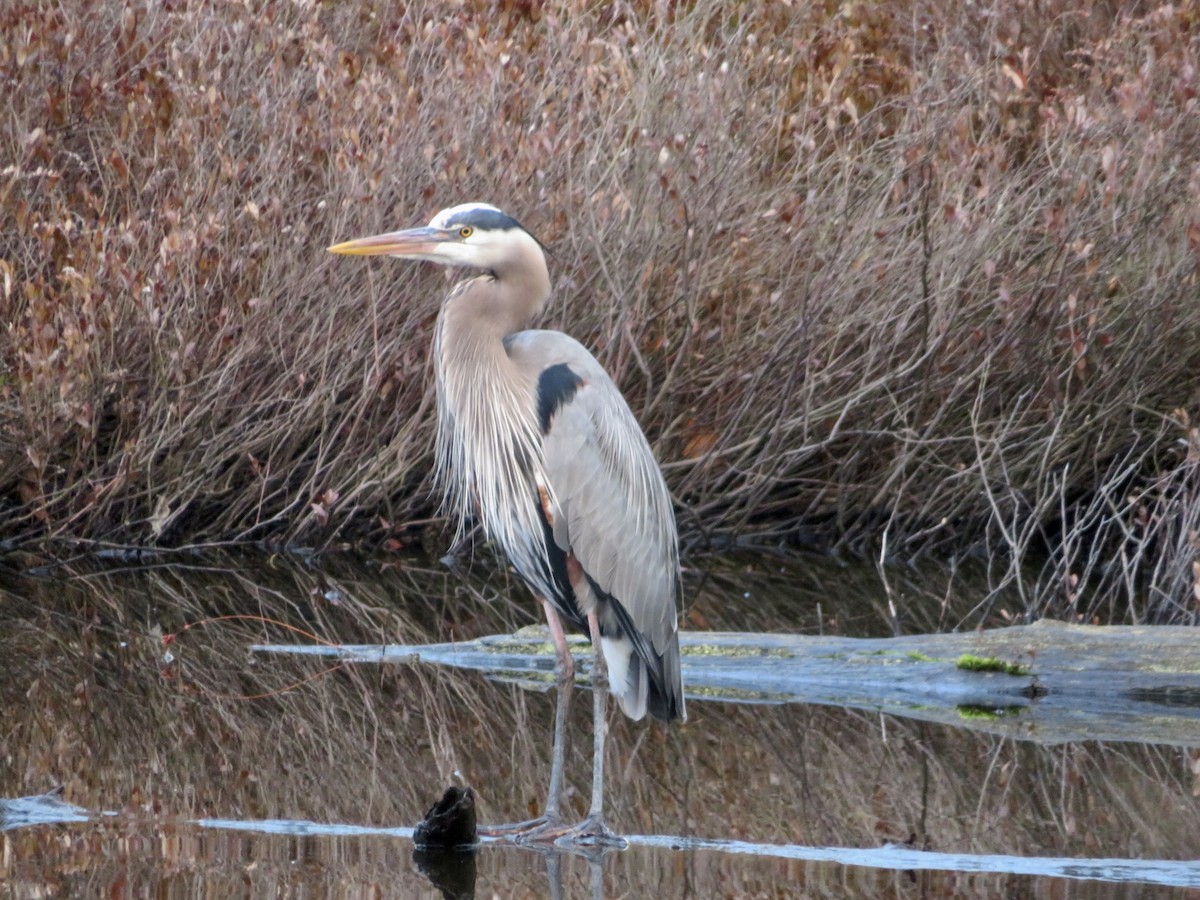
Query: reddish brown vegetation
[(914, 273)]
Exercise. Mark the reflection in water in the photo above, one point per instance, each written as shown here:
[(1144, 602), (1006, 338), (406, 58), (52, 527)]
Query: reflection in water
[(450, 871), (221, 733)]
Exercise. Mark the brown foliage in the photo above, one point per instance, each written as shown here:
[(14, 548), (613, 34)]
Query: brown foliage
[(901, 272)]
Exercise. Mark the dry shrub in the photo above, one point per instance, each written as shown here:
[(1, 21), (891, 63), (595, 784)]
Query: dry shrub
[(895, 275)]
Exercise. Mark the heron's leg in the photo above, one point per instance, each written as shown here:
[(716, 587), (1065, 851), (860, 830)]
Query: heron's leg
[(599, 719), (593, 829), (549, 825), (564, 670)]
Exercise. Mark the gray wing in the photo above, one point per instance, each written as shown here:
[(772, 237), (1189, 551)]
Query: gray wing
[(613, 509)]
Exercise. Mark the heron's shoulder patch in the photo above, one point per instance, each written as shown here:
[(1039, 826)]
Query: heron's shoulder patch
[(556, 387)]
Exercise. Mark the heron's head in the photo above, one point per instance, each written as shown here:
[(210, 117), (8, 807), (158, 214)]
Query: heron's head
[(472, 235)]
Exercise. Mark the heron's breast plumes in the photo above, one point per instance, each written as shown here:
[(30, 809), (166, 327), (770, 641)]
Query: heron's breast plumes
[(489, 460)]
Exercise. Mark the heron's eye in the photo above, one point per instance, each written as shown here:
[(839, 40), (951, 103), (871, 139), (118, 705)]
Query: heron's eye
[(465, 232)]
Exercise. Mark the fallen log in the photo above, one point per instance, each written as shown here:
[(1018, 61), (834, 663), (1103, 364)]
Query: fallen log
[(1048, 682)]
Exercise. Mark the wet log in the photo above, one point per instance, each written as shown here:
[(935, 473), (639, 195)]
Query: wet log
[(1048, 682)]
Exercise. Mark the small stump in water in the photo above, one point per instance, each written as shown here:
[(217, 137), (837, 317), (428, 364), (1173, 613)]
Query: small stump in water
[(450, 823)]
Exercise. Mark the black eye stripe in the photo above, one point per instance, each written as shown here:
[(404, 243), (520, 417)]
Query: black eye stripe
[(487, 219)]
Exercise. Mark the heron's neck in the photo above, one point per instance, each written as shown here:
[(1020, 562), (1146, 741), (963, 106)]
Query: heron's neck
[(479, 314), (483, 311), (523, 284), (488, 451), (482, 393), (477, 379)]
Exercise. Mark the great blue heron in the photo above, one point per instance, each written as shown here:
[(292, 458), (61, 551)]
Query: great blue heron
[(535, 439)]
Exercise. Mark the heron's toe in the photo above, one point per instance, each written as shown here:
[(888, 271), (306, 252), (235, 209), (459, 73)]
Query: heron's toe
[(592, 832)]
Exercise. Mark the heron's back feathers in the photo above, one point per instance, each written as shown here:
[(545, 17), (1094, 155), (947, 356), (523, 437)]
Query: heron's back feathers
[(611, 511)]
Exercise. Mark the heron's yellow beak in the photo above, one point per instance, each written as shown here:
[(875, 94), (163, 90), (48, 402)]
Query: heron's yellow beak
[(412, 242)]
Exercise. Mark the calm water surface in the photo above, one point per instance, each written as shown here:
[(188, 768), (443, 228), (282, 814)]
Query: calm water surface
[(186, 764)]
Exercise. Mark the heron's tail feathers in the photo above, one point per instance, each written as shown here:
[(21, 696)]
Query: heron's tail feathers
[(642, 686)]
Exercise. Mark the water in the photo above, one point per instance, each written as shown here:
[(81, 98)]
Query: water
[(190, 764)]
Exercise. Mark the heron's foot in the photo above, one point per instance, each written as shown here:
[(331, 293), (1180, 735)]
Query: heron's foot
[(516, 830), (592, 832), (542, 830)]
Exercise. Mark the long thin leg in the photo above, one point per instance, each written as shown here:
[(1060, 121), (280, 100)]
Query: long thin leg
[(599, 720), (564, 670), (593, 829), (549, 825)]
